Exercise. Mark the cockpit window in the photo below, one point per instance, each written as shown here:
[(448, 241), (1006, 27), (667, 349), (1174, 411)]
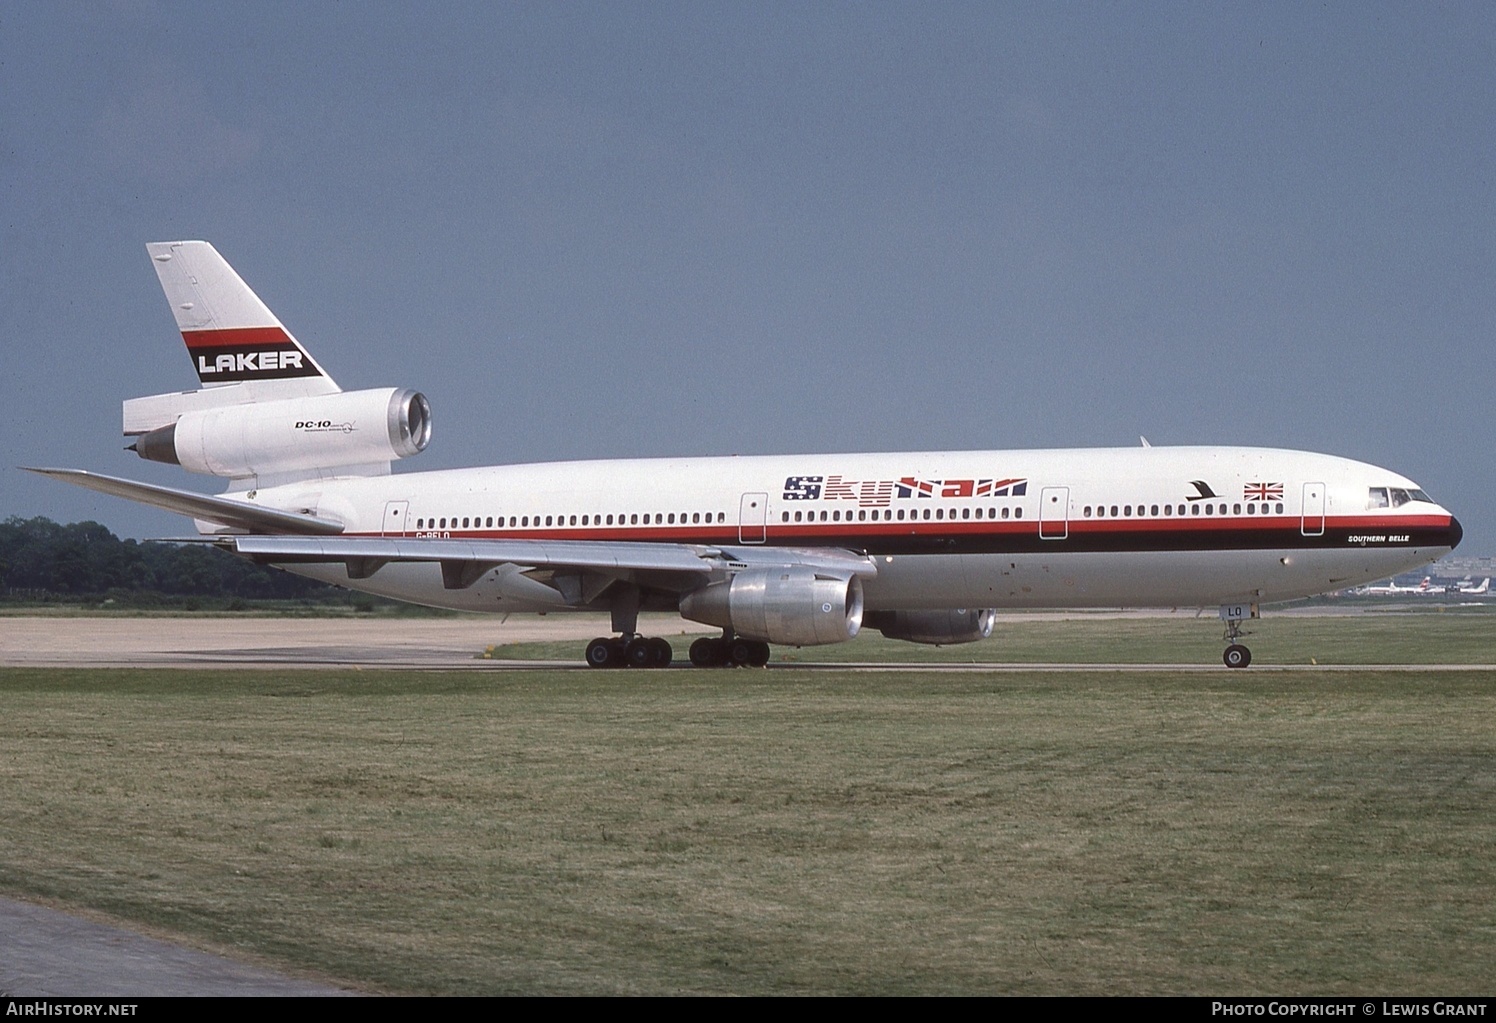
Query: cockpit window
[(1394, 497)]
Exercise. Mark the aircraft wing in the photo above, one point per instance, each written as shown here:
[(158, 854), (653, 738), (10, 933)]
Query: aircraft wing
[(665, 565), (281, 538), (223, 510)]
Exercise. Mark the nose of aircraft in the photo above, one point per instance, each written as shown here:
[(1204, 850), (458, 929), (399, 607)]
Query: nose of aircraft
[(1456, 532)]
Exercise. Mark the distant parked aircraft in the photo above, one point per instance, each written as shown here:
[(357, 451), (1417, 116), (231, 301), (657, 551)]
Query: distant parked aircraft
[(1423, 588)]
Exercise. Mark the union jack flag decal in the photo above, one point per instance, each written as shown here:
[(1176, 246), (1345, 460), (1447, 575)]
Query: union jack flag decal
[(1262, 492)]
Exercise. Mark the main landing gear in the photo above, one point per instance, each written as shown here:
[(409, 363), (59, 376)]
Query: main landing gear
[(642, 652), (729, 652), (1236, 654), (629, 651)]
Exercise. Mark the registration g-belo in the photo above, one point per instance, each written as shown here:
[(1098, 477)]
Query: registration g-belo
[(789, 549)]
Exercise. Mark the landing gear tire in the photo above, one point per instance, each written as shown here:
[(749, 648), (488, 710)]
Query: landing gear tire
[(708, 653), (660, 653), (638, 653), (1237, 656), (759, 656), (603, 653), (740, 651)]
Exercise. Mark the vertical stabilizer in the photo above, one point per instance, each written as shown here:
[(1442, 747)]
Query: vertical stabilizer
[(232, 336)]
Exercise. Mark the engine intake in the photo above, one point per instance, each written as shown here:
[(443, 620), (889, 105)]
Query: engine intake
[(324, 432), (796, 606), (935, 628)]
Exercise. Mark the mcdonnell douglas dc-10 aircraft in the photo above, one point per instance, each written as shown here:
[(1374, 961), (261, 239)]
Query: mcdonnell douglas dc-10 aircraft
[(795, 549)]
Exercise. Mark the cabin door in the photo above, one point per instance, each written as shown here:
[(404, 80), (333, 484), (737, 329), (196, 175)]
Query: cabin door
[(395, 513), (1054, 513), (1313, 521), (753, 518)]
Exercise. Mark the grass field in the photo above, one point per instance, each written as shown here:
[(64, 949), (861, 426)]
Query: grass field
[(776, 831)]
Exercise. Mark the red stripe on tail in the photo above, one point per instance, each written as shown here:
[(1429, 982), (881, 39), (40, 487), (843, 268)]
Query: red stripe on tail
[(197, 339)]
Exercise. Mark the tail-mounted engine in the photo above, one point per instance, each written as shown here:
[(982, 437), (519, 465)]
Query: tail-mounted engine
[(797, 606), (935, 628), (294, 435)]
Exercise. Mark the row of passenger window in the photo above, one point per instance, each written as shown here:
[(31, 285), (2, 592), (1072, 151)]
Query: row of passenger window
[(889, 515), (532, 521), (861, 515), (1126, 510)]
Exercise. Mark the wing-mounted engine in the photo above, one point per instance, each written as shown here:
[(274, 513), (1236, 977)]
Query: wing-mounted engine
[(795, 605), (935, 628), (329, 431)]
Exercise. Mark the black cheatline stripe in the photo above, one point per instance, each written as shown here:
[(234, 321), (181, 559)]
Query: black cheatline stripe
[(968, 541), (1288, 538)]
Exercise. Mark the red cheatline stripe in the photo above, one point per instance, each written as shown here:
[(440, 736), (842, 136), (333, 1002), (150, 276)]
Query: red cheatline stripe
[(234, 336)]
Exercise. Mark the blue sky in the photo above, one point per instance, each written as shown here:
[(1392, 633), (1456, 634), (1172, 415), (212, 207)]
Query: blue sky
[(597, 230)]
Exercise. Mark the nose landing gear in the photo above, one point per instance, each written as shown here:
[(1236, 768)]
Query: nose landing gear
[(1236, 654)]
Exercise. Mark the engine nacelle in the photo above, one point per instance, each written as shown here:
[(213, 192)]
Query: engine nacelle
[(797, 606), (936, 628), (324, 432)]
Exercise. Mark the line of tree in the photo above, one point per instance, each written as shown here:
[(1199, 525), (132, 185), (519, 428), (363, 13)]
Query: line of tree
[(85, 561)]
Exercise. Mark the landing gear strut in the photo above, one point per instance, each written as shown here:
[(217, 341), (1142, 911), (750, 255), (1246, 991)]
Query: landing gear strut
[(728, 652), (1236, 654)]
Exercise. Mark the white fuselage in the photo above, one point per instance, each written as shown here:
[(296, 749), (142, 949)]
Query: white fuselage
[(1038, 528)]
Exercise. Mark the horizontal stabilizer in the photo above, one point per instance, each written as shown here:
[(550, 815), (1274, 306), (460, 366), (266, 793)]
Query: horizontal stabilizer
[(229, 512)]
